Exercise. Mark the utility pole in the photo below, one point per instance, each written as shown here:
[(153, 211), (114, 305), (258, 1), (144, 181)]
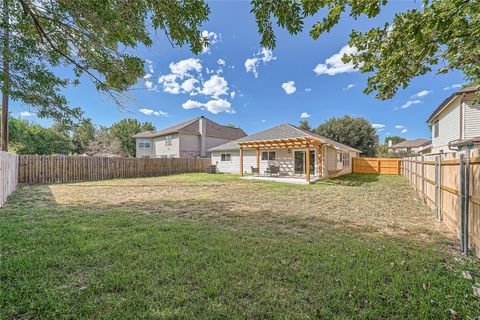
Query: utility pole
[(6, 80)]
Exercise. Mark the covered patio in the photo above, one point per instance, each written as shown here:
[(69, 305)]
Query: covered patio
[(303, 160)]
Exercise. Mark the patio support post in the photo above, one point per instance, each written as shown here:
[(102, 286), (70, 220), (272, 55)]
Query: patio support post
[(258, 160), (307, 163), (241, 161), (320, 162)]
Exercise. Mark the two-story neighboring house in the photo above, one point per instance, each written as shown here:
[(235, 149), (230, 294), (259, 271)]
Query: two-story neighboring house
[(189, 139), (417, 146), (456, 122)]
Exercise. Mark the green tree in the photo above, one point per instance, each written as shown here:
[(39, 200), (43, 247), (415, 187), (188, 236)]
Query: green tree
[(124, 131), (354, 132), (303, 124), (93, 37), (83, 134), (40, 140), (394, 139), (441, 35)]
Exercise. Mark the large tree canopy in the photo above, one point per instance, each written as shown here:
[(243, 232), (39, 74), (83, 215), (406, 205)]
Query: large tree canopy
[(94, 37), (443, 35), (357, 133)]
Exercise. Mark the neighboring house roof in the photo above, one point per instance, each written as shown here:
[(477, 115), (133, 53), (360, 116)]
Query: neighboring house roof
[(282, 131), (192, 126), (466, 90), (412, 143)]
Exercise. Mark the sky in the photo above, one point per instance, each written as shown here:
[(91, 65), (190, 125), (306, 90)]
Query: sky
[(237, 81)]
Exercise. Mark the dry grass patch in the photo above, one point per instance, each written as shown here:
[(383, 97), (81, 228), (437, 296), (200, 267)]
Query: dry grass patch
[(382, 203)]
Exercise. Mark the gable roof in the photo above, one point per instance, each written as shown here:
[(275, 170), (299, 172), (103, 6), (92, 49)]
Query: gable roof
[(412, 143), (282, 131), (192, 126), (466, 90)]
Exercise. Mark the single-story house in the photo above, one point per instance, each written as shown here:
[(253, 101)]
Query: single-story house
[(456, 122), (285, 148), (189, 139), (417, 146)]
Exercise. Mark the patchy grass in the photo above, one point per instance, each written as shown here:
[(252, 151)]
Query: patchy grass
[(215, 246)]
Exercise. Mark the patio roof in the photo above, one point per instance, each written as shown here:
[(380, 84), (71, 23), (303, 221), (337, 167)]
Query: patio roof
[(300, 142)]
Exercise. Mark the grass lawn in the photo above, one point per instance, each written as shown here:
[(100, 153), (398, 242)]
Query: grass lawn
[(214, 246)]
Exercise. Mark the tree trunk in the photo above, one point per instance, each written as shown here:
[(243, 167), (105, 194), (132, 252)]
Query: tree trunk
[(6, 85)]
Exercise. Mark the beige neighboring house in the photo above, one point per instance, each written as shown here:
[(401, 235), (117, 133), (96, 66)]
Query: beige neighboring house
[(417, 146), (456, 122), (189, 139), (294, 152)]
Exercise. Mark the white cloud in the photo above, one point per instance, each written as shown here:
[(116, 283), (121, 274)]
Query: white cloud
[(453, 86), (387, 133), (214, 106), (251, 64), (170, 84), (212, 39), (305, 115), (149, 85), (410, 103), (308, 89), (150, 112), (148, 75), (221, 62), (215, 87), (264, 121), (422, 94), (183, 67), (232, 94), (378, 125), (26, 114), (404, 131), (399, 126), (334, 64), (189, 85), (289, 87), (350, 86)]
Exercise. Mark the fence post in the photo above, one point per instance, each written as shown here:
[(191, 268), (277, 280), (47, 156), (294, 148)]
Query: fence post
[(423, 178), (462, 204), (464, 198), (438, 206)]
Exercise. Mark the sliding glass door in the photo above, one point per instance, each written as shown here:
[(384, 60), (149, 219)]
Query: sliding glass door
[(299, 162)]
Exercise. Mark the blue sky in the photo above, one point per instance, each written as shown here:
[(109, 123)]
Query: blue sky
[(237, 82)]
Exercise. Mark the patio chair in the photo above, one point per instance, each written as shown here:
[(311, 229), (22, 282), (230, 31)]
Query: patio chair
[(255, 170), (273, 170)]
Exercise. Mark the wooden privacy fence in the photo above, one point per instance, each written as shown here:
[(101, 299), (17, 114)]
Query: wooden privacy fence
[(450, 185), (50, 169), (376, 165), (8, 175)]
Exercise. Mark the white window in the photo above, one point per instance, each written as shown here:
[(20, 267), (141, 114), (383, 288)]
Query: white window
[(269, 155), (340, 156), (346, 159), (226, 157), (168, 140), (436, 129), (144, 143)]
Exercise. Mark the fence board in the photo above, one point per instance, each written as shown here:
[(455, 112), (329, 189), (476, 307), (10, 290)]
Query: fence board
[(448, 200), (8, 175), (51, 169), (376, 165)]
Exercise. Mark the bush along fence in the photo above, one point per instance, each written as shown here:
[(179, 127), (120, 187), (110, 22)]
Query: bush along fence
[(8, 175), (52, 169), (450, 185), (376, 165)]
